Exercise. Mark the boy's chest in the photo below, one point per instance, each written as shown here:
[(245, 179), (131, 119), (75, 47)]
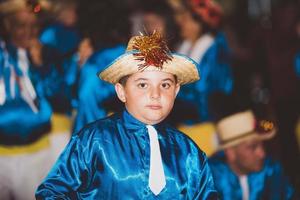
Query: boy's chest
[(125, 167)]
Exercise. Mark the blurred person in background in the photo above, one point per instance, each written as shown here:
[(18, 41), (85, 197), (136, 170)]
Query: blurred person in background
[(63, 52), (241, 169), (264, 48), (25, 144), (107, 28), (199, 23), (61, 32), (60, 40)]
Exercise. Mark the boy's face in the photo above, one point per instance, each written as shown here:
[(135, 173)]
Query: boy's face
[(149, 96)]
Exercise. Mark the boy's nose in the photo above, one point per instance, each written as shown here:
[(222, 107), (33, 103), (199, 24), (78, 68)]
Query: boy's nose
[(155, 93)]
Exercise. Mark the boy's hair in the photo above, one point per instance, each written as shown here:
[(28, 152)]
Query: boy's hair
[(124, 79)]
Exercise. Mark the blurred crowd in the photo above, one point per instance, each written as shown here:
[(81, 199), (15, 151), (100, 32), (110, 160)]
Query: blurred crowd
[(247, 52)]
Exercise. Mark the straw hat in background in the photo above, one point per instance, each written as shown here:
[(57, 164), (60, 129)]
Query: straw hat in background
[(12, 6), (242, 126), (150, 53)]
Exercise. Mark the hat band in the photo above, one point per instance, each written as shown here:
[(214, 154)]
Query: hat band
[(236, 138)]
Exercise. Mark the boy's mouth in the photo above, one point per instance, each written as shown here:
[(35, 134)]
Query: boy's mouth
[(154, 107)]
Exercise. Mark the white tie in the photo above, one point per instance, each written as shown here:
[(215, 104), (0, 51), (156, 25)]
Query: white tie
[(157, 179)]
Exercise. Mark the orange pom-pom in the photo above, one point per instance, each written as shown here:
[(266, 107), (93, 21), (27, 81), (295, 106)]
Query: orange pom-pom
[(152, 49)]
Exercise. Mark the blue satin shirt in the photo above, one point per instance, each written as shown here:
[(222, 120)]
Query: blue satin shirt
[(267, 184), (109, 159)]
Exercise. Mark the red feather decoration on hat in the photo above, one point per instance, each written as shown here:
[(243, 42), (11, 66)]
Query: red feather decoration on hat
[(152, 49)]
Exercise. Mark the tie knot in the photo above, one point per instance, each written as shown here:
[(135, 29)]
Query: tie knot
[(150, 128), (152, 133)]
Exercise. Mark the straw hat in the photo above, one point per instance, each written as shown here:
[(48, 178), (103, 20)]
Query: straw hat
[(12, 6), (150, 53), (242, 126)]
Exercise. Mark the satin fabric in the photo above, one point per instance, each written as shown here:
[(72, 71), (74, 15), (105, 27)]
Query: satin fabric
[(109, 159), (59, 75), (18, 123), (60, 68), (267, 184), (94, 95), (215, 76)]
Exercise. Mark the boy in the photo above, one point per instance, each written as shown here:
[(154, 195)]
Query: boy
[(134, 155)]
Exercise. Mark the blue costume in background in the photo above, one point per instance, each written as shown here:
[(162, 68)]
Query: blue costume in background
[(109, 159), (59, 77), (20, 123), (267, 184), (216, 76), (60, 69), (61, 38), (93, 92)]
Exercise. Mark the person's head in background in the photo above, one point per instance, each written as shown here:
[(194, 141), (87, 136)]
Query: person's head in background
[(158, 15), (65, 12), (241, 137), (196, 18), (20, 20), (106, 22)]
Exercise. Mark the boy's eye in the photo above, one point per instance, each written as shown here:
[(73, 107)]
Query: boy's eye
[(166, 85), (142, 85)]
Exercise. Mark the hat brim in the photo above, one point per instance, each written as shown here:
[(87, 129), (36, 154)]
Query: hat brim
[(253, 136), (184, 68)]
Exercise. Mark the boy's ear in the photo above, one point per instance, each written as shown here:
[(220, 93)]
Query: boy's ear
[(120, 92)]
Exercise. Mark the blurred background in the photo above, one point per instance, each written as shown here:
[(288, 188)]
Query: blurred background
[(248, 54)]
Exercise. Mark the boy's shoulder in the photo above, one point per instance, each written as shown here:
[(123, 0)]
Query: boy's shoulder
[(99, 127)]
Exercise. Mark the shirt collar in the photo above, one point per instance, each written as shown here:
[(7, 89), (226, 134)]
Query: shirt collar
[(131, 123)]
